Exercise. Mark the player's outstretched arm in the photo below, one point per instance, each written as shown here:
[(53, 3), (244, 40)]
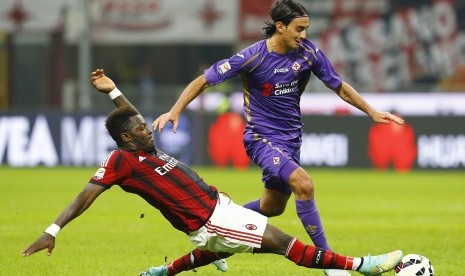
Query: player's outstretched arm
[(351, 96), (191, 92), (106, 85), (76, 208)]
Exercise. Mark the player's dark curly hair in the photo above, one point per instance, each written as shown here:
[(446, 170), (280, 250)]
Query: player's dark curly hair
[(284, 11), (118, 121)]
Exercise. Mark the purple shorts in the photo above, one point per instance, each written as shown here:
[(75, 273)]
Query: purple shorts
[(276, 159)]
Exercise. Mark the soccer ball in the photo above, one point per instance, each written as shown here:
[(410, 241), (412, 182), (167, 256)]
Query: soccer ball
[(413, 265)]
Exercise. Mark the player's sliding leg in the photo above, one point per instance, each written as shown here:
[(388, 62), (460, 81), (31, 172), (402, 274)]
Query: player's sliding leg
[(277, 242), (301, 254), (192, 260), (375, 265), (314, 257)]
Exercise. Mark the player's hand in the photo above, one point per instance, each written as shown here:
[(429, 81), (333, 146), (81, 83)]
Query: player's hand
[(161, 121), (101, 82), (386, 117), (44, 241)]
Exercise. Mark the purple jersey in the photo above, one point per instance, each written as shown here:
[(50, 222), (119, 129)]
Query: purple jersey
[(273, 84)]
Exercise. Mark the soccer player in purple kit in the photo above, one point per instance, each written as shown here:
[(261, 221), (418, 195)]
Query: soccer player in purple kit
[(213, 222), (274, 73)]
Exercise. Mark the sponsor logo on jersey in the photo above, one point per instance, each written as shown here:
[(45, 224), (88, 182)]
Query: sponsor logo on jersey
[(141, 158), (240, 55), (250, 226), (99, 174), (266, 89), (223, 68), (276, 160), (281, 70), (286, 88), (296, 66), (171, 163)]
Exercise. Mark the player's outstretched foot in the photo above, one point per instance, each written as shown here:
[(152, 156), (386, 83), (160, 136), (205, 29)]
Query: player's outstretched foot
[(221, 265), (375, 265), (336, 272), (155, 271)]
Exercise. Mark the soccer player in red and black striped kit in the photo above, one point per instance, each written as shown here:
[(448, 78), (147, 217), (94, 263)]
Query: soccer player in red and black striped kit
[(213, 222)]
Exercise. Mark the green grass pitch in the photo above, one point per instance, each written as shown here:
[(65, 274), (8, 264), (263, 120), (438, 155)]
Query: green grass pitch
[(363, 211)]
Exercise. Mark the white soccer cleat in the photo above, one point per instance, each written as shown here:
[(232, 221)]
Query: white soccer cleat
[(155, 271), (336, 272), (376, 265), (221, 265)]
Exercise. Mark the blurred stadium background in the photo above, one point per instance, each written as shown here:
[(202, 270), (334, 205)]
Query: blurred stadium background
[(406, 57)]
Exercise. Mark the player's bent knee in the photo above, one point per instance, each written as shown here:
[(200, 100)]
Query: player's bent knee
[(272, 211), (304, 190)]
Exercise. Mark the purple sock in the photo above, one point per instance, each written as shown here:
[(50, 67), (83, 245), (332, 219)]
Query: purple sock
[(308, 214), (254, 206)]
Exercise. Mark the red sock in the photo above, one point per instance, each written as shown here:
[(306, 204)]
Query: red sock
[(194, 259), (315, 257)]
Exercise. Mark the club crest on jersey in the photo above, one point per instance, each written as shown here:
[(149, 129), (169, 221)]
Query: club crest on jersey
[(250, 226), (99, 174), (223, 68), (296, 66), (276, 161)]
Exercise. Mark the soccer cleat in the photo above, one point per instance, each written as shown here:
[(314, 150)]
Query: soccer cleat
[(336, 272), (375, 265), (221, 265), (155, 271)]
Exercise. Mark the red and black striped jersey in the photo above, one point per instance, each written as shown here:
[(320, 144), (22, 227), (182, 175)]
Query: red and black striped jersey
[(183, 198)]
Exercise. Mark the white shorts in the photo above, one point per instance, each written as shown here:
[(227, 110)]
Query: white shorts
[(231, 228)]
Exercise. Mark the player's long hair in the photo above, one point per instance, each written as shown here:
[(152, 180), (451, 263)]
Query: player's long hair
[(284, 11), (119, 121)]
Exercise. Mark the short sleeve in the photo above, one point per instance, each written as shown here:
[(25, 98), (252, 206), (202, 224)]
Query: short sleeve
[(228, 68), (324, 70), (111, 171)]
